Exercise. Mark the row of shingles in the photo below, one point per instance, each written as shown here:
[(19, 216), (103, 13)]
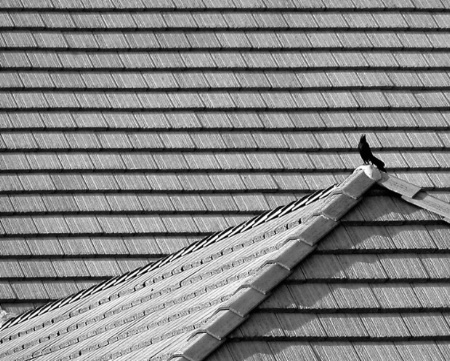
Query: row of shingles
[(361, 99), (223, 122), (226, 80), (132, 248), (121, 225), (223, 40), (256, 161), (333, 351), (276, 189), (316, 289), (125, 20), (232, 256), (219, 141), (195, 5), (310, 60), (288, 184)]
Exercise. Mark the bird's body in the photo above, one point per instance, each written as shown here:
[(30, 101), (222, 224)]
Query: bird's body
[(367, 156)]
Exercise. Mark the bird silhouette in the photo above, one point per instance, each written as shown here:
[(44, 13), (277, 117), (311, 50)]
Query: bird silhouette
[(367, 156)]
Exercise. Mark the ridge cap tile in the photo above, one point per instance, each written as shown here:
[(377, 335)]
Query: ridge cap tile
[(202, 345), (356, 184), (427, 201), (415, 195), (221, 324), (398, 185)]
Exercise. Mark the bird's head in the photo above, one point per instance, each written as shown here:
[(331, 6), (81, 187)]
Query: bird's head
[(363, 139)]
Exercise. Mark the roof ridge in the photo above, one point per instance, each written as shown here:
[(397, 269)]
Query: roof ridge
[(414, 194), (213, 238), (294, 247)]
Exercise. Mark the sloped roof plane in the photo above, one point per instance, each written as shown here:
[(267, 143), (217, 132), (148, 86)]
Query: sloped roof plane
[(256, 289), (131, 129)]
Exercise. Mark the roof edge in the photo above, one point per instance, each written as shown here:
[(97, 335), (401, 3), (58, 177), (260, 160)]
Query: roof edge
[(295, 246)]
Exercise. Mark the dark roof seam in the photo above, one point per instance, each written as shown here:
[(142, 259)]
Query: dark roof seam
[(150, 50), (204, 10), (220, 28)]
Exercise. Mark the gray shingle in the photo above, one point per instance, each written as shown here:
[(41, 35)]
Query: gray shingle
[(123, 202), (115, 224), (57, 20), (217, 100), (136, 60), (227, 59), (60, 203), (106, 161), (197, 60), (147, 224), (171, 161), (50, 224), (66, 60), (201, 161), (36, 182), (163, 182), (30, 290), (308, 100), (18, 39), (196, 182), (68, 182), (385, 325), (229, 181), (156, 203), (423, 350), (100, 181), (27, 203), (149, 20)]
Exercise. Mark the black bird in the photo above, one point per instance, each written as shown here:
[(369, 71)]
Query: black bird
[(367, 156)]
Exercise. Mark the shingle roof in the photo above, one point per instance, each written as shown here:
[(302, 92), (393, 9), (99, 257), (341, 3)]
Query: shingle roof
[(207, 295), (115, 115), (376, 287)]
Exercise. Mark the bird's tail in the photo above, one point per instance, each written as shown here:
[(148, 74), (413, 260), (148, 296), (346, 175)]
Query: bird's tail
[(378, 163)]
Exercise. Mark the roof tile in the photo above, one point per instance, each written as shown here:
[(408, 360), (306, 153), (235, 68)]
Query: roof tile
[(343, 325), (395, 296), (50, 224), (230, 181), (385, 325), (37, 268), (414, 237), (48, 246), (83, 224), (312, 296), (74, 246), (156, 203), (147, 224), (68, 182), (31, 290), (301, 325), (196, 182), (426, 325)]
